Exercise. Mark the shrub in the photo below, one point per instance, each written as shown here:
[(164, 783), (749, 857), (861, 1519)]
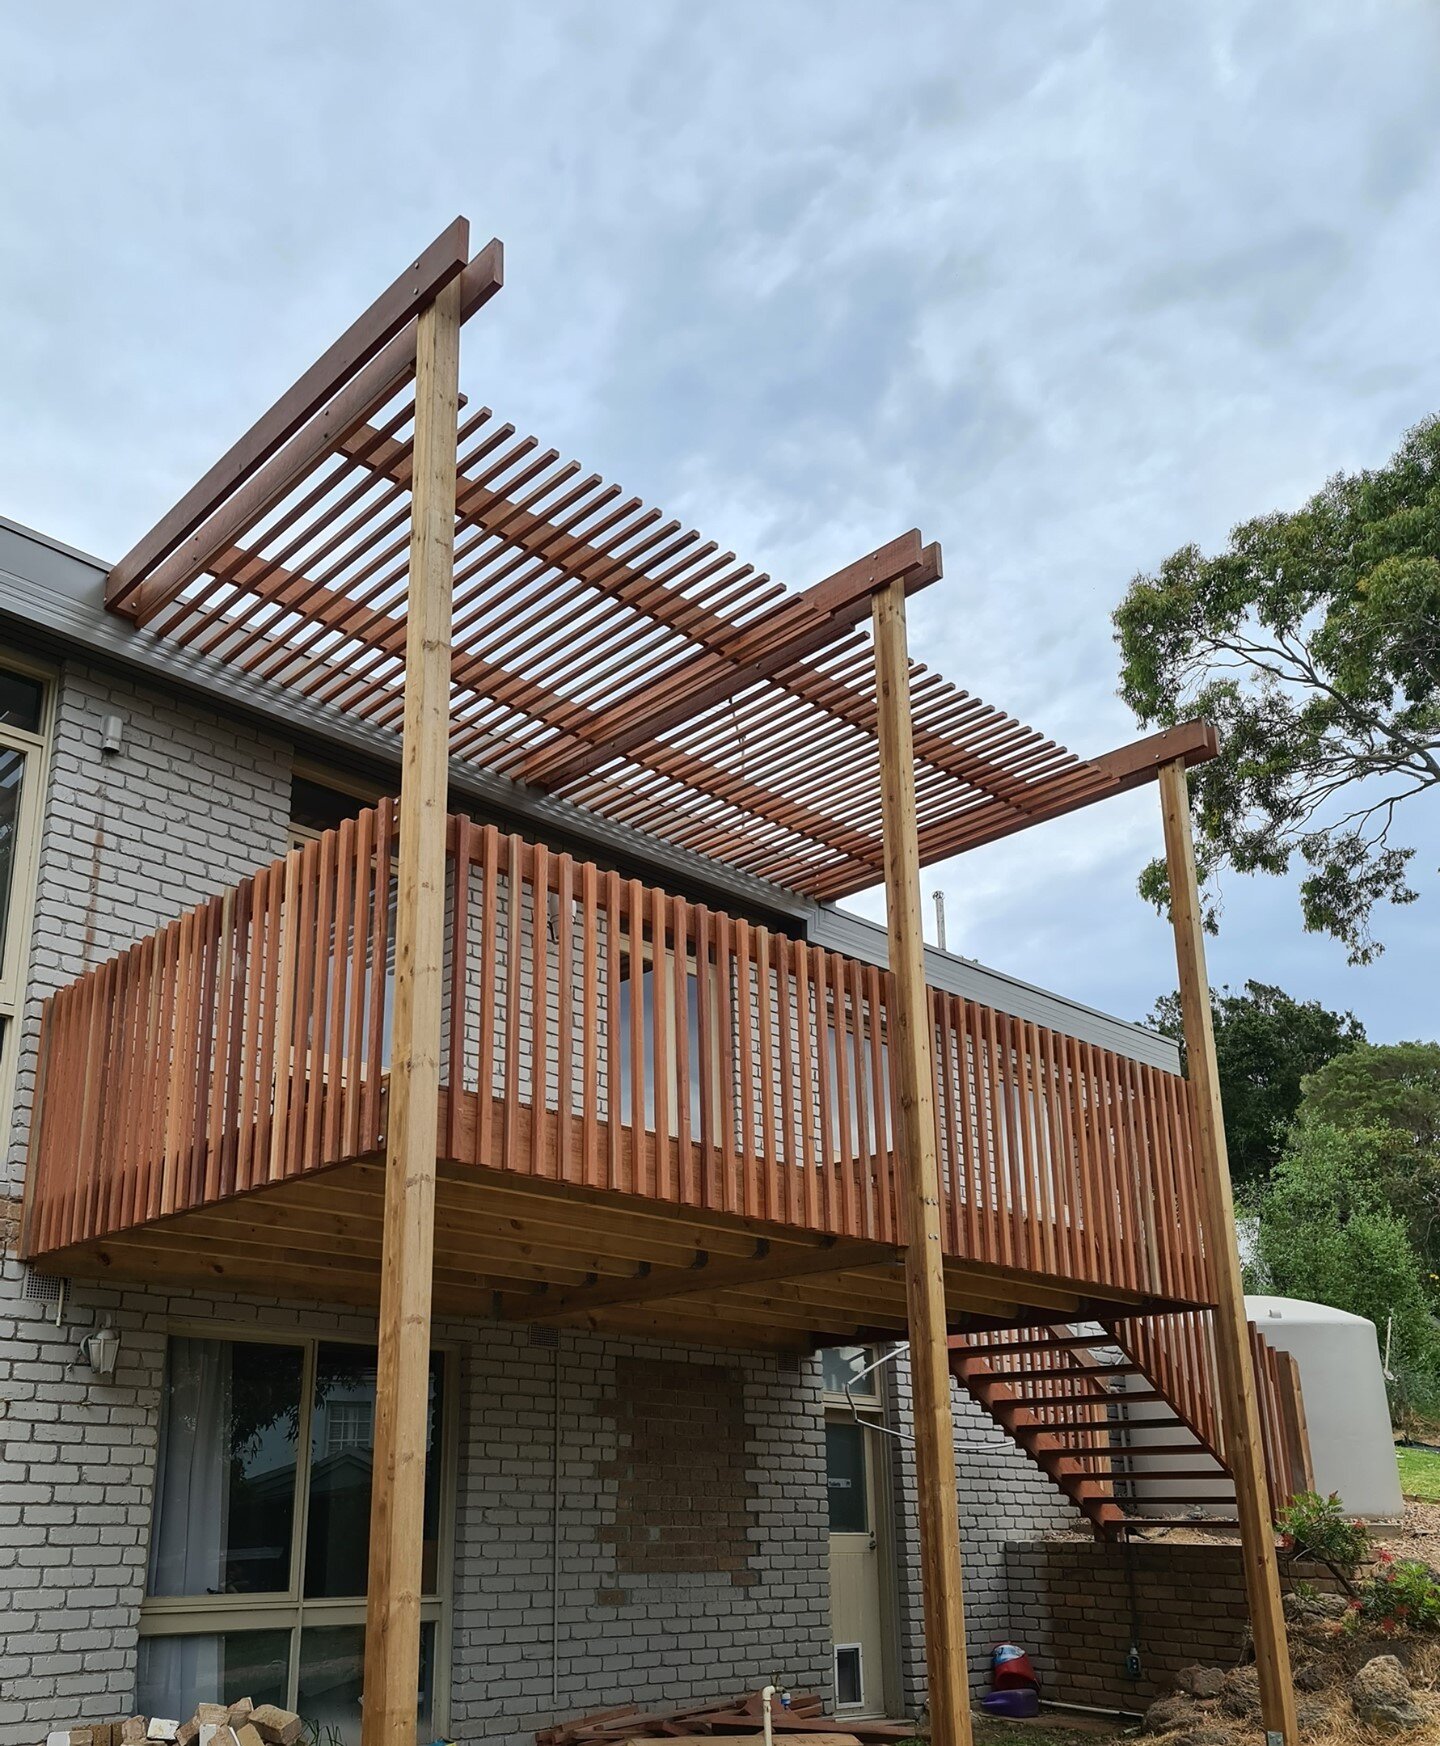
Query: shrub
[(1402, 1593), (1317, 1527)]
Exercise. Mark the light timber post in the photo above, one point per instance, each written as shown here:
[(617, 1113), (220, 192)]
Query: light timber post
[(912, 1048), (1234, 1363), (397, 1502)]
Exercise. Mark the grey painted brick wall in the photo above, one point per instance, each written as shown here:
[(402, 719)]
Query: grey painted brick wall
[(190, 804), (1003, 1497), (77, 1466)]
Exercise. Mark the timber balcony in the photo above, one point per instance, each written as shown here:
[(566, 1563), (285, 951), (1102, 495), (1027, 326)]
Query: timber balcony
[(654, 1116)]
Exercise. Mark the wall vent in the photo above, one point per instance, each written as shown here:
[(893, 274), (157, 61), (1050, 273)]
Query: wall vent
[(542, 1334), (42, 1287)]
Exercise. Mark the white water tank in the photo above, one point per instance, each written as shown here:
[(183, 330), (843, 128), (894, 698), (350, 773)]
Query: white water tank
[(1351, 1446)]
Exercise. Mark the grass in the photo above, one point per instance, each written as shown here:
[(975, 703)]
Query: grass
[(1419, 1473)]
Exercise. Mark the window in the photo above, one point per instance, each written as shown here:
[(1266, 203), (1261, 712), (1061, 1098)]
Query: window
[(23, 700), (322, 799), (259, 1544), (841, 1368), (622, 1032), (846, 1478)]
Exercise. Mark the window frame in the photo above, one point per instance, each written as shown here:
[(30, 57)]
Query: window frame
[(25, 868), (201, 1615)]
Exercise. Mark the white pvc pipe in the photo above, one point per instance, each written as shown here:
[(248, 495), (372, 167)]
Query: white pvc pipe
[(767, 1697)]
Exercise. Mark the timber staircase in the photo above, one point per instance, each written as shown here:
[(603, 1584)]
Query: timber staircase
[(1122, 1416)]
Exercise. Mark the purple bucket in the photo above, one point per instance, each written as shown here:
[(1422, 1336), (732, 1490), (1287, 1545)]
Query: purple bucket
[(1018, 1703)]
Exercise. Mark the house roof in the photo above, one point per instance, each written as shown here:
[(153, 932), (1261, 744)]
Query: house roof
[(604, 654)]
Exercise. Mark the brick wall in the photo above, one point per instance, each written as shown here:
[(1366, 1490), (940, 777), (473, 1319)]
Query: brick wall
[(672, 1626), (1077, 1605), (1002, 1495), (189, 805)]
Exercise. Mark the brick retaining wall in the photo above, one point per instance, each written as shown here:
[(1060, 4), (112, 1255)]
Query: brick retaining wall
[(1077, 1606)]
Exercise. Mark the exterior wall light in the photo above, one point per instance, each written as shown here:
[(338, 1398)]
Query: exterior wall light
[(101, 1349)]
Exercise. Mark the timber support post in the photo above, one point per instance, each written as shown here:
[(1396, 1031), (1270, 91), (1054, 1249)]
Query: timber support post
[(1244, 1447), (912, 1049), (397, 1501)]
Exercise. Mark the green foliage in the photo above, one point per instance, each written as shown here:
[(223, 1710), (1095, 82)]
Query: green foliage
[(1317, 1527), (1313, 643), (1402, 1594), (1265, 1044), (1388, 1085), (1327, 1233)]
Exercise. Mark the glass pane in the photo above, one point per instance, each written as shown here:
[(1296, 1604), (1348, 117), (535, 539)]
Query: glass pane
[(12, 770), (848, 1687), (342, 1436), (845, 1477), (332, 1666), (225, 1494), (20, 701), (840, 1366), (177, 1673)]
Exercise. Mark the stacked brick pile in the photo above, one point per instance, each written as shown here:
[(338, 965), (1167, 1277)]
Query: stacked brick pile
[(237, 1724)]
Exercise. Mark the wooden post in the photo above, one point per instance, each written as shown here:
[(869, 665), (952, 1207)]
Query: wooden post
[(1244, 1447), (912, 1051), (397, 1499)]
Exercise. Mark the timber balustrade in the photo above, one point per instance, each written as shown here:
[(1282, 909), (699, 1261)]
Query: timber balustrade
[(601, 1033)]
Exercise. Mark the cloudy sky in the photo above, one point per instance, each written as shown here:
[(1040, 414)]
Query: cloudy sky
[(1065, 284)]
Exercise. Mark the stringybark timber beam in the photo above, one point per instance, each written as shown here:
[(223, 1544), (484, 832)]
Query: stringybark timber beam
[(795, 628), (392, 1619), (1099, 778), (354, 402), (1234, 1361), (413, 290), (649, 1284), (912, 1048)]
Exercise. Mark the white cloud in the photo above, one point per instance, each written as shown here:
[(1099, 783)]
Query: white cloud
[(1064, 284)]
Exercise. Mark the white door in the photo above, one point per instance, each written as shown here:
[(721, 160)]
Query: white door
[(857, 1613)]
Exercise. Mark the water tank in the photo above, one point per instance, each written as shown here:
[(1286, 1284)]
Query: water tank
[(1351, 1446)]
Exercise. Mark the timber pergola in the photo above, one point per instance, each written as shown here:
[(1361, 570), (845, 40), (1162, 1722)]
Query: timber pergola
[(570, 639)]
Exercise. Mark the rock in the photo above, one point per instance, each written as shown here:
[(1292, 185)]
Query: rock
[(239, 1711), (275, 1726), (188, 1733), (1311, 1676), (1382, 1696), (1240, 1694), (212, 1713), (1200, 1682), (1170, 1712), (1205, 1733), (1307, 1609), (162, 1728), (132, 1732), (1311, 1714), (247, 1734)]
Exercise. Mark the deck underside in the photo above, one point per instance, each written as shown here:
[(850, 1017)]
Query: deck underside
[(532, 1248)]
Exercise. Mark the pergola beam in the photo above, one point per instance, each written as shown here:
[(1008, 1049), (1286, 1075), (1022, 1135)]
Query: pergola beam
[(355, 401), (1099, 778), (412, 291), (795, 628)]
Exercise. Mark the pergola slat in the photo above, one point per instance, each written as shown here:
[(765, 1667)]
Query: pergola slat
[(602, 652)]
